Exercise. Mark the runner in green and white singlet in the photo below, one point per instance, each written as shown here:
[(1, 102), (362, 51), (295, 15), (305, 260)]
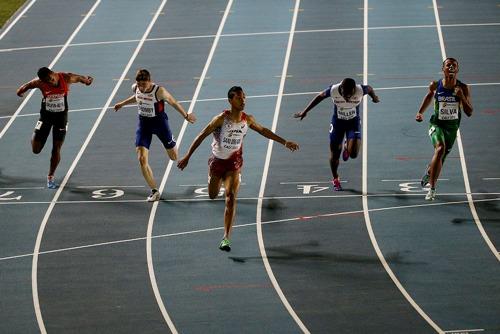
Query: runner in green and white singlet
[(451, 97)]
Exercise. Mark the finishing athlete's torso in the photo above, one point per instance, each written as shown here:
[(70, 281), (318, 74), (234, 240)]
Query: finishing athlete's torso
[(55, 97), (346, 110), (228, 139), (148, 104), (447, 107)]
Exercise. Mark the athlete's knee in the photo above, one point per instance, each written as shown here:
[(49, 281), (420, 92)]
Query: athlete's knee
[(354, 154), (172, 154), (143, 160), (230, 197), (36, 147), (440, 149)]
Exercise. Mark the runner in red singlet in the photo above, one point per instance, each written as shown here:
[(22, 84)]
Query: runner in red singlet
[(53, 113)]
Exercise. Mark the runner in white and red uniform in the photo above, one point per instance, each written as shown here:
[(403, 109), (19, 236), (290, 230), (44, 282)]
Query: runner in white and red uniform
[(229, 128), (153, 120), (53, 113), (227, 145)]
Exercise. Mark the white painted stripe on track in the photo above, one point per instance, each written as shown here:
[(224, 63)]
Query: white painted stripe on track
[(260, 238), (284, 220), (152, 276), (365, 185), (58, 56), (19, 16), (472, 207), (265, 33), (246, 198), (75, 162), (34, 276)]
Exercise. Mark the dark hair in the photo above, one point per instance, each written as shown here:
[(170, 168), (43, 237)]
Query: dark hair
[(450, 58), (233, 91), (142, 75), (43, 73), (348, 85)]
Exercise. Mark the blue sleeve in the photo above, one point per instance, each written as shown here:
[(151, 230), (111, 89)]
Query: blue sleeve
[(365, 89), (328, 91)]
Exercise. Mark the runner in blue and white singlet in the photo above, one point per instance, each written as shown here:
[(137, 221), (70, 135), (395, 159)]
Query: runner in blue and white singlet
[(346, 121), (152, 120)]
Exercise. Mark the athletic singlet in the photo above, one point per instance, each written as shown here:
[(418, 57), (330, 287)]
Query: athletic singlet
[(228, 139), (55, 97), (147, 103), (346, 110), (447, 107)]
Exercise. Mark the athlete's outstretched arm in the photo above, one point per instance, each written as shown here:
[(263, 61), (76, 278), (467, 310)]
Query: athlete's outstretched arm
[(35, 83), (163, 94), (215, 123), (426, 101), (120, 104), (371, 93), (314, 102), (292, 146), (77, 78)]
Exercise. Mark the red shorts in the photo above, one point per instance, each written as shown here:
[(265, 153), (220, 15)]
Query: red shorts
[(219, 167)]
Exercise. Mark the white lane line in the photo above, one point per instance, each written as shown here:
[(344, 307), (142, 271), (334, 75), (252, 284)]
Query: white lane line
[(422, 193), (250, 34), (59, 54), (34, 276), (410, 180), (464, 331), (111, 186), (259, 96), (284, 220), (491, 178), (260, 238), (11, 24), (365, 185), (22, 188), (170, 164), (74, 164), (462, 154)]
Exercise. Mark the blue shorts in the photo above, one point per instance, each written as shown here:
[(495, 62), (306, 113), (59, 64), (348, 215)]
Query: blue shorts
[(351, 129), (158, 126)]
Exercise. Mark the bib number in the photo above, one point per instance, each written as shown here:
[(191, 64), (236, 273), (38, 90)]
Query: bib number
[(146, 110), (448, 111), (346, 114), (54, 103)]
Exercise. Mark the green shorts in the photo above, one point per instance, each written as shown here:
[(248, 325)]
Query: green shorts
[(440, 135)]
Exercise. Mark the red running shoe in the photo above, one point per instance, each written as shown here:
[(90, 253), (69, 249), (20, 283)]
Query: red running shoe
[(336, 184)]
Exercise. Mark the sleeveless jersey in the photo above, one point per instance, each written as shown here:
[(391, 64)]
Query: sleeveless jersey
[(228, 139), (447, 108), (346, 110), (147, 103), (55, 98)]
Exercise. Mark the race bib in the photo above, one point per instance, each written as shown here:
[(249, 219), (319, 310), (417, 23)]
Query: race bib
[(448, 111), (55, 103), (146, 110), (346, 114)]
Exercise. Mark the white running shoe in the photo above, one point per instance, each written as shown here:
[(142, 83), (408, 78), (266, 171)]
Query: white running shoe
[(154, 196), (431, 195)]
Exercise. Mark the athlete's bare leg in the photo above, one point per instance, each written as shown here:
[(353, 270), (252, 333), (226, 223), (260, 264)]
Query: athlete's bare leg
[(172, 153), (353, 146), (55, 157), (214, 184), (147, 172), (335, 151), (436, 164), (231, 185)]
